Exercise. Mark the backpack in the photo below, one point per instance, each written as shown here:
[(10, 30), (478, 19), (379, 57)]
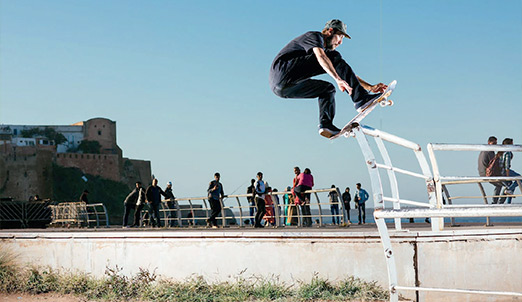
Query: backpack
[(493, 168)]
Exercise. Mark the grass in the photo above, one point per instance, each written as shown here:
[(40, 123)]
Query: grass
[(147, 286)]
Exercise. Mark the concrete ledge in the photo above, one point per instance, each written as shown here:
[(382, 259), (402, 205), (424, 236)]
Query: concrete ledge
[(463, 258)]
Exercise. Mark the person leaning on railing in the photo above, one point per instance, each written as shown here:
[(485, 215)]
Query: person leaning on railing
[(484, 160), (305, 182), (505, 167)]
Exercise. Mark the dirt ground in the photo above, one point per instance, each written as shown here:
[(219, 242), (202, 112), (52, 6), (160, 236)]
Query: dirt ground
[(39, 298)]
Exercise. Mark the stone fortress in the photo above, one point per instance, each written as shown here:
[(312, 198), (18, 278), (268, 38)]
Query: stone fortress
[(29, 152)]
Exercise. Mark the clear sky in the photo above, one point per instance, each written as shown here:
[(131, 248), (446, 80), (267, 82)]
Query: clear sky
[(187, 81)]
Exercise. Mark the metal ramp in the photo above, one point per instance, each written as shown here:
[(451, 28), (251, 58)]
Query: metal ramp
[(435, 206)]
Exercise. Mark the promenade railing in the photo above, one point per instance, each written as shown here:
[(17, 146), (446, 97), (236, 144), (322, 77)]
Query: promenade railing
[(236, 210)]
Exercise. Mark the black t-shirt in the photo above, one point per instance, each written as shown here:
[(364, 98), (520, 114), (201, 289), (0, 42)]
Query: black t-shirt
[(299, 47)]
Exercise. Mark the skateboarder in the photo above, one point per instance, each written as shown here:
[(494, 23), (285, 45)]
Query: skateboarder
[(312, 54)]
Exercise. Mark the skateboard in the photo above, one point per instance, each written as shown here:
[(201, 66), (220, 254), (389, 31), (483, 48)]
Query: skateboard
[(381, 100)]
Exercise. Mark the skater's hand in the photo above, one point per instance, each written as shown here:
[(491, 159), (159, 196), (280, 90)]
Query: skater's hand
[(343, 85), (378, 88)]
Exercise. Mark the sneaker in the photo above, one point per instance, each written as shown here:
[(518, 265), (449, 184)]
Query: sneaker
[(328, 130), (508, 192), (361, 105)]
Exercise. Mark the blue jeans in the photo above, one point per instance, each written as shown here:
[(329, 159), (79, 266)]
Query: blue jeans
[(334, 209), (511, 185)]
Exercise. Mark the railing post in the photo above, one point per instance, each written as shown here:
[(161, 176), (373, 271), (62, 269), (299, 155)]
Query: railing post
[(481, 187), (240, 212), (343, 209)]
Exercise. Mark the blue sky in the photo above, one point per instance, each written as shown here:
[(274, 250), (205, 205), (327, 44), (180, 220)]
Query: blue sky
[(187, 81)]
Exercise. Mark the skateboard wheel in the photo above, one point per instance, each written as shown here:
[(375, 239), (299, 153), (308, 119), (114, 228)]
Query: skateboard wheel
[(383, 103), (390, 103)]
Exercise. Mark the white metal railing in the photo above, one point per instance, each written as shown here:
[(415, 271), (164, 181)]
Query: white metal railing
[(435, 208), (361, 133)]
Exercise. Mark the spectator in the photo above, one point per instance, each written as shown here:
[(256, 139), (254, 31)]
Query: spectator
[(346, 199), (297, 171), (505, 166), (140, 203), (361, 196), (333, 196), (215, 194), (484, 159), (153, 195), (269, 205), (260, 192), (305, 182), (130, 203), (83, 197), (251, 200), (37, 198), (171, 204)]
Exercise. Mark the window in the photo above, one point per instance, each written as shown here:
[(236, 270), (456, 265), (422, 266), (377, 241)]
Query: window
[(99, 132)]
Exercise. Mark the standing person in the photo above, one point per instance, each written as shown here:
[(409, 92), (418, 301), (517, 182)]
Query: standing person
[(333, 196), (140, 203), (361, 196), (312, 54), (83, 197), (346, 199), (171, 204), (153, 195), (485, 157), (260, 193), (269, 205), (251, 200), (305, 182), (130, 203), (505, 167), (215, 194), (297, 171)]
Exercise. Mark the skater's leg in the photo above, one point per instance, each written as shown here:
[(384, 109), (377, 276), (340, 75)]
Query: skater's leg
[(309, 88)]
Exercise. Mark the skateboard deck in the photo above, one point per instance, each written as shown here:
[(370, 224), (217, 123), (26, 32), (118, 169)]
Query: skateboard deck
[(381, 100)]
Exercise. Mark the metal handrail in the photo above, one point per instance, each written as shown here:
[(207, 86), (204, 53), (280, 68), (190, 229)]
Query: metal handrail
[(435, 185)]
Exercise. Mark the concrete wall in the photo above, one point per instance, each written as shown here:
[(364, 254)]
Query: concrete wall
[(467, 259)]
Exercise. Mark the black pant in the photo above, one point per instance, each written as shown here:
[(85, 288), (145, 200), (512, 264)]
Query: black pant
[(362, 208), (296, 82), (172, 214), (307, 214), (347, 207), (300, 192), (154, 214), (137, 215), (126, 212), (215, 206), (261, 211)]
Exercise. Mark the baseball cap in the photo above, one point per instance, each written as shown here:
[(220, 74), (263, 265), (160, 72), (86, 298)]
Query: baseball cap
[(169, 183), (339, 25)]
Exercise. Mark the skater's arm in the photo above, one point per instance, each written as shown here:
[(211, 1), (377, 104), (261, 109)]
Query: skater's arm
[(327, 65), (372, 88)]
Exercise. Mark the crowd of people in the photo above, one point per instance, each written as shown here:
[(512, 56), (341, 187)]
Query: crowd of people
[(262, 200)]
